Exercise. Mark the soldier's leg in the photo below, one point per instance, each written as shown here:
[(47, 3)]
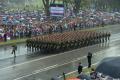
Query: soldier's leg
[(35, 48), (32, 48), (14, 53), (38, 47), (108, 37), (68, 46), (89, 63), (102, 40)]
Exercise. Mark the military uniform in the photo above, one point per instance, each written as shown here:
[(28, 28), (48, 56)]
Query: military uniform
[(67, 40)]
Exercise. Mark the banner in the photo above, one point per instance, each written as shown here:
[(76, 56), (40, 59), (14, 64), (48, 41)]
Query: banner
[(57, 10)]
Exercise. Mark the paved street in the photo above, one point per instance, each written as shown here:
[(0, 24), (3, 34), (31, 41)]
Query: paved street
[(40, 66)]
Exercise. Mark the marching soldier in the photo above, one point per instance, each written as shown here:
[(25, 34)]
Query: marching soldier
[(28, 43), (103, 36), (109, 36), (89, 57), (14, 49), (100, 37), (106, 36), (37, 44), (67, 40)]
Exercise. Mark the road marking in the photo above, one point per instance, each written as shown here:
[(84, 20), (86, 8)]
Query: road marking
[(115, 34), (59, 65), (45, 69), (45, 58), (51, 67), (114, 40), (37, 71), (48, 68)]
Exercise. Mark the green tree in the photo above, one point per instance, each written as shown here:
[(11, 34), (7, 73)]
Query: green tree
[(46, 4), (74, 3), (77, 4), (107, 5)]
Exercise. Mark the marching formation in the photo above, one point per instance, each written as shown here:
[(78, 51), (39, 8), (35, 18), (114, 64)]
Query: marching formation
[(66, 41)]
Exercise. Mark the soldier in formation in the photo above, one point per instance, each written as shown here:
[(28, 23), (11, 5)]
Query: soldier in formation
[(68, 40)]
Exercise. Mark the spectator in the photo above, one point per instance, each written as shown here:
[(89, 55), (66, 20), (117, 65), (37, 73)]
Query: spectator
[(89, 57), (55, 78), (93, 74), (80, 68), (5, 37), (61, 28), (30, 33)]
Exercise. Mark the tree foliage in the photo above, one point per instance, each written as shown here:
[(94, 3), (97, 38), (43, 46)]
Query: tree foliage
[(83, 4), (107, 4), (77, 4), (46, 6)]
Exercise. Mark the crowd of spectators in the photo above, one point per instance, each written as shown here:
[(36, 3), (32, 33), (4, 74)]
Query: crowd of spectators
[(26, 24), (95, 76), (92, 76), (99, 76)]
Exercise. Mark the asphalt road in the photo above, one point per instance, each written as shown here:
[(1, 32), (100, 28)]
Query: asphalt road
[(43, 67)]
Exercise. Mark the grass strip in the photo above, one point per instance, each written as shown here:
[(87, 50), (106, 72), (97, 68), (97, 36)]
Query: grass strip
[(10, 42), (87, 71)]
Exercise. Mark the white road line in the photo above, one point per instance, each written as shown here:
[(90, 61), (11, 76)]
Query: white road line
[(37, 71), (111, 38), (58, 65), (114, 40), (115, 34), (48, 68), (37, 59), (42, 58)]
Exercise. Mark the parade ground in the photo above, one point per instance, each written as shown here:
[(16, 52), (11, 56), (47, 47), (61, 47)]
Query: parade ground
[(38, 66)]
